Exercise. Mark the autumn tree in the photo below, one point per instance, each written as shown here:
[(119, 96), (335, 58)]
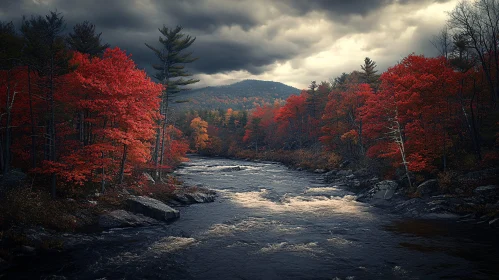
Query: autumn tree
[(412, 119), (118, 128), (199, 133)]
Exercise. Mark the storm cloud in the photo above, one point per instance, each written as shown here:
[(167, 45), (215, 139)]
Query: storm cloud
[(290, 41)]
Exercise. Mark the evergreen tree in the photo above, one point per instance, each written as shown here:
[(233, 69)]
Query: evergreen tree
[(46, 52), (369, 75), (84, 39), (172, 74)]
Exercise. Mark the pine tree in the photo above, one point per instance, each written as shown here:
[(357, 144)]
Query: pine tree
[(47, 54), (171, 73), (84, 39), (369, 75)]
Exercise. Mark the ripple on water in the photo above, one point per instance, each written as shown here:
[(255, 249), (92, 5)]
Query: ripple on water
[(309, 205), (171, 244), (310, 248), (251, 224)]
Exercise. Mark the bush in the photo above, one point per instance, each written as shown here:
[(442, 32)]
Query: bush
[(26, 207)]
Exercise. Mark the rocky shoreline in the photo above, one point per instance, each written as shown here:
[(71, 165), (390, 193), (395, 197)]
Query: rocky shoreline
[(138, 211), (479, 205)]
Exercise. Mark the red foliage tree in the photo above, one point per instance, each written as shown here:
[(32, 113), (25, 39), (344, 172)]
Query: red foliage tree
[(411, 118)]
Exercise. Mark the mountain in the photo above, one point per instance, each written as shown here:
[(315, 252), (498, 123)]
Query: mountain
[(242, 95)]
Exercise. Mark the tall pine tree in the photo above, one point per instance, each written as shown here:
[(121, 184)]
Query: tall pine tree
[(172, 74)]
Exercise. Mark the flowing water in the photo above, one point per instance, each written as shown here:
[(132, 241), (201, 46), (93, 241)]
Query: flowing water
[(270, 222)]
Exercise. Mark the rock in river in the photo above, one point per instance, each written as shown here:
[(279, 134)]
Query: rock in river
[(428, 188), (152, 208), (382, 191), (122, 218)]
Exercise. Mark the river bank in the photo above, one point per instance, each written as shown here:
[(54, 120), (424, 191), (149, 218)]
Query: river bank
[(466, 197), (272, 222)]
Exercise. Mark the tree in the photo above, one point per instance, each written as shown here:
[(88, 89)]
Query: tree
[(412, 119), (119, 127), (171, 72), (199, 133), (48, 55), (478, 21), (10, 60), (369, 75), (83, 39)]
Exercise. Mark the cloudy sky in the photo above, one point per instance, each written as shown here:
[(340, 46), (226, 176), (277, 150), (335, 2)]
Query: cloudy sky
[(290, 41)]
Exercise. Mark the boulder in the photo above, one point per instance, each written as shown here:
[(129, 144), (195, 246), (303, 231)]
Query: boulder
[(329, 176), (230, 169), (152, 208), (344, 164), (344, 172), (494, 222), (486, 194), (382, 191), (122, 218), (486, 190), (363, 172), (200, 197), (428, 188)]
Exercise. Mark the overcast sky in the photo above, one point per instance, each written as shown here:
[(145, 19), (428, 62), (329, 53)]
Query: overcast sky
[(290, 41)]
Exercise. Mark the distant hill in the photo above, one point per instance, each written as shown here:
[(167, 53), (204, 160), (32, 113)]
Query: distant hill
[(245, 95)]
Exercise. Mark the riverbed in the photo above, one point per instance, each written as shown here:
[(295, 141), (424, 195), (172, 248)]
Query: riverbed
[(271, 222)]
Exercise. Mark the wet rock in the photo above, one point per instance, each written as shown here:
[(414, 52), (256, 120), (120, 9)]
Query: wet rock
[(330, 176), (494, 222), (486, 190), (122, 218), (404, 205), (362, 173), (344, 173), (383, 190), (486, 194), (344, 164), (230, 169), (56, 277), (320, 171), (428, 188), (27, 251), (152, 208), (200, 197)]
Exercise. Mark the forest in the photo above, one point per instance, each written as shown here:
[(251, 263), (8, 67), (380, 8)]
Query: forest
[(80, 122)]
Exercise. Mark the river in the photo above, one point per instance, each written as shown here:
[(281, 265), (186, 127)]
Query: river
[(271, 222)]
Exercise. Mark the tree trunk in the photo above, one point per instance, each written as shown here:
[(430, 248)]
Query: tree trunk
[(6, 149), (122, 165), (103, 172), (52, 154), (32, 117)]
